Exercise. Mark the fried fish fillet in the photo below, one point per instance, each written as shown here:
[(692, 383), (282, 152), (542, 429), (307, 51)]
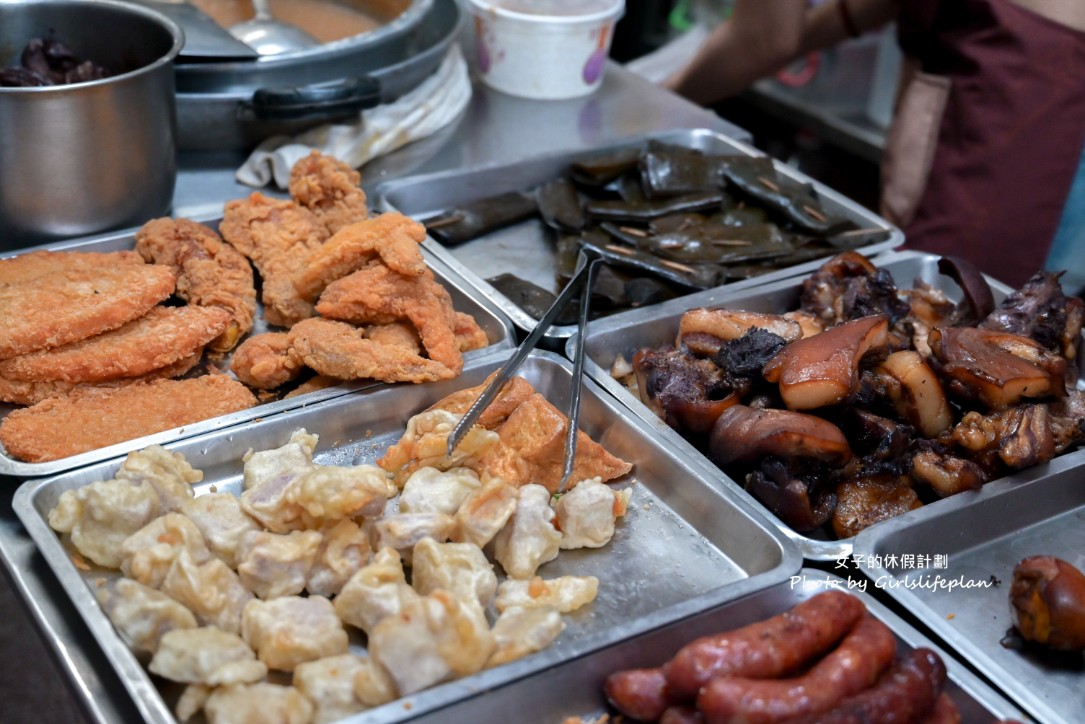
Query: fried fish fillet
[(161, 337), (340, 350), (330, 189), (392, 236), (277, 235), (19, 392), (91, 418), (210, 272), (34, 264), (57, 309), (266, 361), (377, 294)]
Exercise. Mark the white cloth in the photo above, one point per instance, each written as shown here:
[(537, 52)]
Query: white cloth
[(376, 131)]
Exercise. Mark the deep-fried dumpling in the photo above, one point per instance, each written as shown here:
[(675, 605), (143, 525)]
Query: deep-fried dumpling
[(211, 590), (430, 490), (208, 656), (142, 615), (258, 704), (587, 512), (485, 512), (436, 638), (150, 551), (530, 538), (378, 590), (330, 493), (522, 631), (403, 530), (268, 477), (343, 552), (372, 684), (329, 684), (425, 444), (222, 522), (291, 630), (169, 473), (272, 565), (462, 569), (102, 515), (565, 593)]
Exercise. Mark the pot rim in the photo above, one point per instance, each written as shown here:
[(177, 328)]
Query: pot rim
[(167, 58)]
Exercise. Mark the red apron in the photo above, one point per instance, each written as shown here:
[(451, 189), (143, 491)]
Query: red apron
[(1010, 134)]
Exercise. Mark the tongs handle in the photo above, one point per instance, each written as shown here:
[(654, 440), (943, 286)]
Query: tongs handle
[(583, 275)]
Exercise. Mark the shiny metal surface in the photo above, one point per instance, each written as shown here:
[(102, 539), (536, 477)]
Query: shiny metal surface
[(625, 333), (528, 249), (270, 36), (464, 298), (83, 158), (983, 535), (575, 688), (682, 547)]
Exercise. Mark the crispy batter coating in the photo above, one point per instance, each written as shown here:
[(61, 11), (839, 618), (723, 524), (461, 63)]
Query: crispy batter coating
[(398, 334), (513, 393), (158, 339), (56, 309), (340, 350), (19, 392), (377, 294), (392, 236), (277, 235), (24, 267), (92, 418), (210, 272), (330, 189), (313, 384), (265, 361), (469, 335)]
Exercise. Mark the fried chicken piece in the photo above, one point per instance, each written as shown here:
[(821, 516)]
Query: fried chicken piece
[(377, 294), (92, 418), (330, 189), (25, 267), (340, 350), (20, 392), (397, 334), (391, 236), (277, 236), (513, 393), (162, 337), (266, 361), (469, 335), (210, 272), (65, 307)]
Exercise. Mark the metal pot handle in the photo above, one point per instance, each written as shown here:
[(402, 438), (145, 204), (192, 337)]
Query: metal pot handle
[(313, 102)]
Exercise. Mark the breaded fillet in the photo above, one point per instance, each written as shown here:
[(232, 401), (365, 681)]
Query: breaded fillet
[(70, 305), (91, 418), (277, 236), (210, 272), (265, 361), (399, 334), (392, 236), (19, 392), (469, 335), (330, 189), (24, 267), (161, 337), (340, 350)]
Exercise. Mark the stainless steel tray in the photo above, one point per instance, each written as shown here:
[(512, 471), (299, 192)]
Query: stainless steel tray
[(627, 332), (575, 688), (465, 298), (683, 547), (978, 538), (526, 248)]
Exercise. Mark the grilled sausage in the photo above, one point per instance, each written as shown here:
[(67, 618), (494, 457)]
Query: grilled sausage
[(774, 647), (855, 664), (945, 712), (639, 693), (681, 714)]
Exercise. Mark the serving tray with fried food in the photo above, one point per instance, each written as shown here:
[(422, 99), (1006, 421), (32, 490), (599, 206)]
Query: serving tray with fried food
[(184, 325), (358, 565)]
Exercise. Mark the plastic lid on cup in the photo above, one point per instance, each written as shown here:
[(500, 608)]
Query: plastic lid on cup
[(552, 9)]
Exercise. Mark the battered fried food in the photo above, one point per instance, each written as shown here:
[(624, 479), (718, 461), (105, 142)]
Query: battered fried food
[(377, 294), (398, 334), (392, 236), (92, 418), (340, 350), (160, 338), (330, 189), (19, 392), (513, 393), (266, 361), (277, 236), (34, 264), (210, 272), (313, 384), (469, 335), (57, 309)]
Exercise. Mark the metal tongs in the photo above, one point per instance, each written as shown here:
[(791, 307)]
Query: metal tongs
[(583, 281)]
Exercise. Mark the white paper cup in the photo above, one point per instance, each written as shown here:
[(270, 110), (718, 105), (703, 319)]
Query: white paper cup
[(547, 49)]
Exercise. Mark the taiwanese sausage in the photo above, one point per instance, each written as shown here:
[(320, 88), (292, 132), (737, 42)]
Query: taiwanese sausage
[(681, 714), (639, 693), (945, 712), (852, 666), (767, 649)]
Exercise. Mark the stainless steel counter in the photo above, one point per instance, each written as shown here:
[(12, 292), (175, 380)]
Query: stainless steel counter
[(495, 128)]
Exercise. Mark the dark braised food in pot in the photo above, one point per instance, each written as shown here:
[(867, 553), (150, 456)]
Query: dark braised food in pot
[(48, 61)]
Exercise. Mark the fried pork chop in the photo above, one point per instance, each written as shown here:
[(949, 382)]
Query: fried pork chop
[(24, 267), (330, 189)]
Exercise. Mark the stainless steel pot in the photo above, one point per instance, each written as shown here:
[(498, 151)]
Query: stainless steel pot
[(86, 157), (234, 105)]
